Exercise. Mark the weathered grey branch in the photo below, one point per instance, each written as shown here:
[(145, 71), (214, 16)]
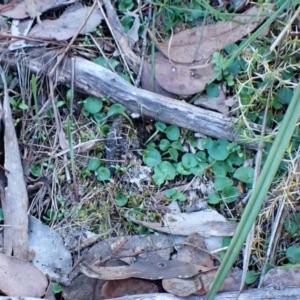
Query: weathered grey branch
[(98, 81), (265, 293)]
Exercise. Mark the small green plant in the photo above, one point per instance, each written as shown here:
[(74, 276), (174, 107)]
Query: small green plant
[(121, 199), (169, 160), (56, 288), (18, 103), (93, 105), (220, 62), (125, 5), (52, 215), (121, 169), (175, 195), (95, 166), (36, 170)]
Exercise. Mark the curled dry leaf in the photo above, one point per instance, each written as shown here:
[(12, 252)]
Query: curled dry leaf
[(21, 278), (64, 27), (19, 10), (199, 43), (145, 269), (182, 79)]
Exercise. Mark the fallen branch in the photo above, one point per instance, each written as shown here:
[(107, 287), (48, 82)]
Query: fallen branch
[(15, 202), (265, 293), (95, 80)]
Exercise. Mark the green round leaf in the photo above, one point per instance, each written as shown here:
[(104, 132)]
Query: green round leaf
[(199, 170), (290, 226), (201, 156), (236, 158), (212, 90), (179, 196), (293, 254), (151, 157), (160, 126), (36, 170), (123, 6), (177, 145), (284, 95), (94, 164), (230, 194), (189, 161), (172, 132), (219, 150), (56, 288), (297, 217), (116, 109), (103, 174), (181, 170), (158, 177), (164, 145), (92, 105), (101, 61), (251, 277), (99, 117), (170, 192), (121, 199), (124, 76), (244, 174), (219, 168), (173, 153), (222, 182), (167, 169), (207, 143), (213, 198)]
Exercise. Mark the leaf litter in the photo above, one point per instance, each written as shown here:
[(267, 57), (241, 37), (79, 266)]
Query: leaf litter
[(173, 222), (182, 66)]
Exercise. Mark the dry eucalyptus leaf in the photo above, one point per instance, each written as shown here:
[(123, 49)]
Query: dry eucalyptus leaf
[(206, 222), (148, 247), (54, 261), (230, 284), (283, 277), (21, 278), (200, 43), (145, 269), (19, 10), (82, 288), (146, 82), (192, 250), (182, 79), (131, 286), (67, 25)]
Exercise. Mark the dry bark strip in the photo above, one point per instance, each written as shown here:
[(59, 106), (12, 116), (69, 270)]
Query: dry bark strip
[(95, 80), (15, 202)]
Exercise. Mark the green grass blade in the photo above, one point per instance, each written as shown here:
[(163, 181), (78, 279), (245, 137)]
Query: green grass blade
[(259, 192)]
